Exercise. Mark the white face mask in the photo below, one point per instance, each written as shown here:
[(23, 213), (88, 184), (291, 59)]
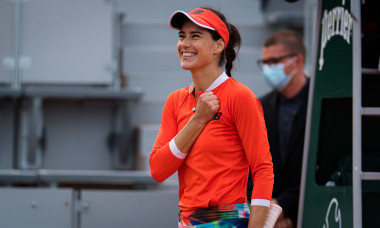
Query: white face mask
[(274, 74)]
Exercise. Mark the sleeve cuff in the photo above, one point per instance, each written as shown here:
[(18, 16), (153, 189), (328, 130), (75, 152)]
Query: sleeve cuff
[(176, 152), (260, 202)]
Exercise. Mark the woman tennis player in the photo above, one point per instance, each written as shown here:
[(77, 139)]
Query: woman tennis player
[(213, 130)]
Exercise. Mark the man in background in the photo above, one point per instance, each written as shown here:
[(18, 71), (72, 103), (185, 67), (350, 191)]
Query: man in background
[(282, 63)]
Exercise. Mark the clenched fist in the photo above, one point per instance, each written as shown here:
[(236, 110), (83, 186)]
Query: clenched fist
[(207, 106)]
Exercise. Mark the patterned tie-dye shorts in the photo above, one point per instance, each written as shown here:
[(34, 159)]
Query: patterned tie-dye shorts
[(224, 216)]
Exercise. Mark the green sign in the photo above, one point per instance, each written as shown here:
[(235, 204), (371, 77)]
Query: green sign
[(328, 202), (335, 30)]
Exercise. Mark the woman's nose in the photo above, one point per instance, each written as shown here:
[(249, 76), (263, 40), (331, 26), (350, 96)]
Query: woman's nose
[(185, 42)]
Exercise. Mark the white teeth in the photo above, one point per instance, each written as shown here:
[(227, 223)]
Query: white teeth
[(187, 54)]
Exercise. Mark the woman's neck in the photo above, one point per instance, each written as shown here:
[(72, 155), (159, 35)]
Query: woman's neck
[(204, 78)]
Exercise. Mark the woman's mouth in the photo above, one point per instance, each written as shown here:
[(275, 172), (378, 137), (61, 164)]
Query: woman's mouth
[(188, 54)]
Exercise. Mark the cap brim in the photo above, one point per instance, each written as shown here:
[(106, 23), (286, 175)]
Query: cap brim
[(179, 17)]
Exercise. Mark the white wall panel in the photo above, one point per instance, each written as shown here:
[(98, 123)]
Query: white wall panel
[(132, 209), (6, 14), (68, 41), (42, 208)]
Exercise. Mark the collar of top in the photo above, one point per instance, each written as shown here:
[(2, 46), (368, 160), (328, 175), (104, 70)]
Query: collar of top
[(203, 18), (222, 78)]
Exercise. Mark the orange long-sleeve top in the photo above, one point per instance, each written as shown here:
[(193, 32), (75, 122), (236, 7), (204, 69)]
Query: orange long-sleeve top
[(215, 171)]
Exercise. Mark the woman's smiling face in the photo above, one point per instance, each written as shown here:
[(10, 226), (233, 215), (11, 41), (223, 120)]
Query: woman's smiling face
[(196, 47)]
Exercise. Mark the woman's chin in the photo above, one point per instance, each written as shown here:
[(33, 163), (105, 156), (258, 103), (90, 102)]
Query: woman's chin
[(186, 67)]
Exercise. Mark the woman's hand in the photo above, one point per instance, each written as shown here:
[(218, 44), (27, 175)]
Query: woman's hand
[(258, 216), (207, 106), (283, 221)]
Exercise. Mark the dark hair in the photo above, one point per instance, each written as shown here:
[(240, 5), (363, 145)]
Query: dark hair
[(229, 54), (289, 39)]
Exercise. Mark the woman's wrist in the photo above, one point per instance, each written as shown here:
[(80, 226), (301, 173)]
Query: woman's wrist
[(198, 121)]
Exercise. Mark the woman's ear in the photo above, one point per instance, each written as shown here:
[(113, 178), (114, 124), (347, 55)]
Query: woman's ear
[(219, 46)]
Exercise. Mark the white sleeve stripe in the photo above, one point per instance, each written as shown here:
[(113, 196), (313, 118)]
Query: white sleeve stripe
[(176, 152), (260, 202)]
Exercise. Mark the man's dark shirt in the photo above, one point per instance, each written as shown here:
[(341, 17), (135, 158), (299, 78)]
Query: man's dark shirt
[(286, 140), (287, 110)]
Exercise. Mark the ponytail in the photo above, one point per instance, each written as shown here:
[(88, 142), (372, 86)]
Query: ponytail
[(230, 53), (233, 47)]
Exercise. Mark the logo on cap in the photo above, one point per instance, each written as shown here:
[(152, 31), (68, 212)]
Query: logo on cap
[(197, 11)]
